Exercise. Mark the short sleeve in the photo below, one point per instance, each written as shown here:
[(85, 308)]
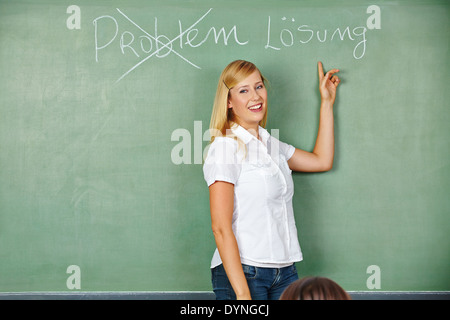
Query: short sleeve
[(287, 150), (221, 161)]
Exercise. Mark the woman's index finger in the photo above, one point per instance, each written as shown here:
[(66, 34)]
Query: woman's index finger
[(320, 69)]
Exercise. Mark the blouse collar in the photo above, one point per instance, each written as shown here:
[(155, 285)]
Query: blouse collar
[(246, 136)]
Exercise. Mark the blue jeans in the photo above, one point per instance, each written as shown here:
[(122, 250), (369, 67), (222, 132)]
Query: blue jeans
[(264, 283)]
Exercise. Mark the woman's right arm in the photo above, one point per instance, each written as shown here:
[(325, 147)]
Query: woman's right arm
[(221, 197)]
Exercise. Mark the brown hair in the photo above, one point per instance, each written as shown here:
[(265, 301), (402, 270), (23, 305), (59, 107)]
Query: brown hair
[(315, 288)]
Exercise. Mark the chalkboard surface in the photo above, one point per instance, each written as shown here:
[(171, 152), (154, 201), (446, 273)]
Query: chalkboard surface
[(104, 111)]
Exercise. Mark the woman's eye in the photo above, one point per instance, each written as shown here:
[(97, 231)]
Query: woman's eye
[(243, 91)]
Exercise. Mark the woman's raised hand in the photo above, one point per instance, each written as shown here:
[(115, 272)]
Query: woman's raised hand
[(327, 84)]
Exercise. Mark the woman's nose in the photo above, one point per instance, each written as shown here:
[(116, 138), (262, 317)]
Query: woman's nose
[(256, 95)]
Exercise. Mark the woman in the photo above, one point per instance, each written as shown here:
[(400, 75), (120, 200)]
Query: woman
[(315, 288), (248, 173)]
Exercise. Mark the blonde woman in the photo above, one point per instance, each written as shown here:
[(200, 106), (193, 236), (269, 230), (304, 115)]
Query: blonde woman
[(248, 173)]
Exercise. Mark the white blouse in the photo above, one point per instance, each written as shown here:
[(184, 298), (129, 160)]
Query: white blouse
[(263, 218)]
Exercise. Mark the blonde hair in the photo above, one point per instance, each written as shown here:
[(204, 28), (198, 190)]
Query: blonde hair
[(222, 118)]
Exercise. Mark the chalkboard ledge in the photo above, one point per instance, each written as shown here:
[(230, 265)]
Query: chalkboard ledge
[(203, 295)]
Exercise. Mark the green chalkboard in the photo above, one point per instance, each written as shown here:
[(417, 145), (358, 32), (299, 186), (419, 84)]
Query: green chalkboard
[(103, 112)]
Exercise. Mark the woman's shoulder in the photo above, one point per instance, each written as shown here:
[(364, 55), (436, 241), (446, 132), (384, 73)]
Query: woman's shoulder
[(221, 148), (283, 148)]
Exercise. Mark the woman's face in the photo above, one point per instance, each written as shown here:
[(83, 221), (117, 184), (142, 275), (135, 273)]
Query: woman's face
[(248, 99)]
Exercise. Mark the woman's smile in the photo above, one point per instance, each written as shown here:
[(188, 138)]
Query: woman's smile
[(256, 108)]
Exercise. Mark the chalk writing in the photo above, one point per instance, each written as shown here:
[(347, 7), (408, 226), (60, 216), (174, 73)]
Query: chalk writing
[(154, 45), (303, 34), (282, 34)]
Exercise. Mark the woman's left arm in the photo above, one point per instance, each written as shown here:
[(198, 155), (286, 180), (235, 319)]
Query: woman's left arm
[(321, 158)]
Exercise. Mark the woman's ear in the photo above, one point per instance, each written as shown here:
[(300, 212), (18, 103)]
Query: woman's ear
[(229, 105)]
